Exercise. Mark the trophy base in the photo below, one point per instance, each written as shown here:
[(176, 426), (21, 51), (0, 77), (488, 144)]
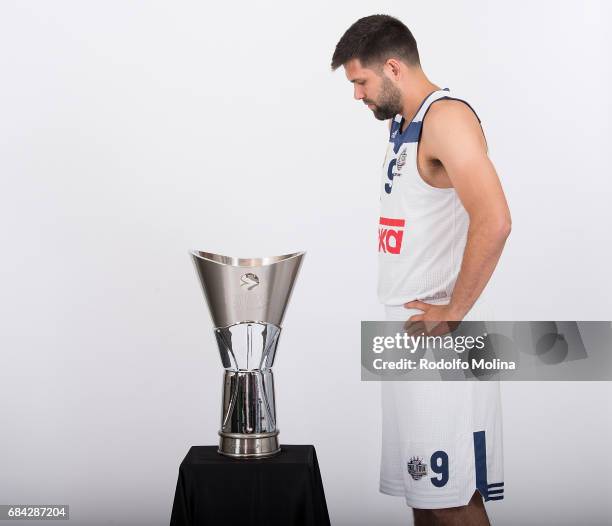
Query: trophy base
[(255, 445)]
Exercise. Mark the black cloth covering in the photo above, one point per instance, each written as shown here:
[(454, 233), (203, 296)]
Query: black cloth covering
[(284, 490)]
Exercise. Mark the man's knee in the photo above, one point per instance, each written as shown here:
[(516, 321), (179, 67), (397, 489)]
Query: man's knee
[(473, 511), (444, 515), (439, 515)]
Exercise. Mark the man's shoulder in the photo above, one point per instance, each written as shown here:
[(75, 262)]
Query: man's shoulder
[(452, 125), (448, 111)]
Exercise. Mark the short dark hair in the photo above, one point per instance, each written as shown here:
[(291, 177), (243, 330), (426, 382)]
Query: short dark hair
[(374, 39)]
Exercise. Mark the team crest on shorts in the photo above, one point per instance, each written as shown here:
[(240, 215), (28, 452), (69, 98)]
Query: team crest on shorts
[(416, 468)]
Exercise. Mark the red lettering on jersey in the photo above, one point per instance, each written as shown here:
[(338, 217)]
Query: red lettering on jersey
[(389, 221), (390, 239), (382, 232), (395, 236)]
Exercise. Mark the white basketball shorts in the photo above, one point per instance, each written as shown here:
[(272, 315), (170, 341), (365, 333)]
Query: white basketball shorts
[(441, 440)]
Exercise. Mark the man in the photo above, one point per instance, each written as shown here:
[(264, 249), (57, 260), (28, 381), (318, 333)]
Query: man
[(444, 222)]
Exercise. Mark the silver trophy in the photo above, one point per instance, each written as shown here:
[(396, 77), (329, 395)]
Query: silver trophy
[(247, 299)]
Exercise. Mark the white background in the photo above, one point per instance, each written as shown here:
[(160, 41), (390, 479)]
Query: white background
[(131, 132)]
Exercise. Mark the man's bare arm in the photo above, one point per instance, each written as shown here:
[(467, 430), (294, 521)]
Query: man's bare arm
[(459, 144)]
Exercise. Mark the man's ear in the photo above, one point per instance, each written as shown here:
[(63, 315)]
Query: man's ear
[(392, 68)]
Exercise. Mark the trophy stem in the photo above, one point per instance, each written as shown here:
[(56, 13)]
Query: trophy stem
[(248, 422)]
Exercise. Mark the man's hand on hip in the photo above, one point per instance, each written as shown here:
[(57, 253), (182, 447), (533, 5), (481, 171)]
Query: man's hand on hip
[(436, 320)]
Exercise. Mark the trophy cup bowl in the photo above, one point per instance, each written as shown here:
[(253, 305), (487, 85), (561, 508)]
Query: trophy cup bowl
[(247, 298)]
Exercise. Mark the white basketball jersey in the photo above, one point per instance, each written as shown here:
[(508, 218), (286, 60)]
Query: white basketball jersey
[(422, 230), (441, 440)]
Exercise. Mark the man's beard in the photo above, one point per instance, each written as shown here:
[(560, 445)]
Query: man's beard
[(389, 103)]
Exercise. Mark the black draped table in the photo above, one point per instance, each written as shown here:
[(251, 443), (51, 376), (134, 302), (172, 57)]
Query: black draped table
[(284, 490)]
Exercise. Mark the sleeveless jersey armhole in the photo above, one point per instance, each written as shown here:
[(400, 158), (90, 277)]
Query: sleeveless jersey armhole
[(460, 100)]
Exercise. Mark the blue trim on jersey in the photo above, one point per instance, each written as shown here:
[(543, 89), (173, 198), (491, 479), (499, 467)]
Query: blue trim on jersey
[(410, 134), (480, 456), (413, 131), (494, 491), (394, 130)]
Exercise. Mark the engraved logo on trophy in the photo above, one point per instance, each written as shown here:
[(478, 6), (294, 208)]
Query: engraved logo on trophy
[(247, 298), (249, 280)]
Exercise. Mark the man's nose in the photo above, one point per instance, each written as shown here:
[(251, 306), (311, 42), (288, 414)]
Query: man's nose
[(358, 94)]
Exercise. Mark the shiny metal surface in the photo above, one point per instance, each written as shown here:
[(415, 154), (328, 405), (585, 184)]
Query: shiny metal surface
[(248, 402), (247, 346), (247, 298), (247, 289), (249, 446)]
